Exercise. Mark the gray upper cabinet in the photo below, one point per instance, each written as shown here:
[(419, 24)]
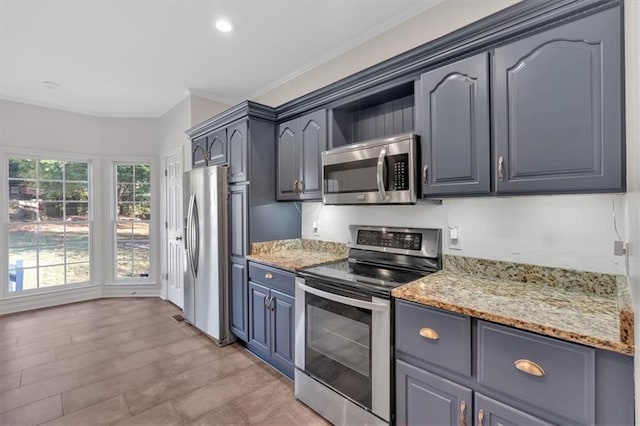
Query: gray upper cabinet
[(452, 117), (238, 151), (300, 143), (217, 147), (558, 109), (238, 210), (209, 149), (288, 161)]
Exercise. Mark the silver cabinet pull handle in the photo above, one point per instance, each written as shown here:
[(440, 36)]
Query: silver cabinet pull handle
[(268, 276), (272, 304), (178, 238), (480, 417), (429, 333), (379, 174), (463, 414), (501, 168), (529, 367), (295, 186), (424, 175), (300, 187)]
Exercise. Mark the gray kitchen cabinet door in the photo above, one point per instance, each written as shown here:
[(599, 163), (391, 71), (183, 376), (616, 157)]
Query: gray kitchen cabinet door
[(452, 117), (558, 109), (217, 147), (259, 320), (288, 161), (239, 298), (238, 152), (238, 230), (199, 152), (312, 133), (489, 412), (424, 399), (282, 326)]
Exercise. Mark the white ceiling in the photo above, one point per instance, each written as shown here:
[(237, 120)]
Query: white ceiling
[(139, 58)]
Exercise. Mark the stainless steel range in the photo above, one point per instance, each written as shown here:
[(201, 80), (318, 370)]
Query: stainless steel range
[(344, 322)]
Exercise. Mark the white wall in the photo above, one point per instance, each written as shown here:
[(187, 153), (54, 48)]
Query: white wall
[(202, 109), (426, 26), (572, 231), (632, 80)]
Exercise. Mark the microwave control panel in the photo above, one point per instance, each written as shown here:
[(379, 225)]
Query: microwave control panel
[(396, 240), (399, 166)]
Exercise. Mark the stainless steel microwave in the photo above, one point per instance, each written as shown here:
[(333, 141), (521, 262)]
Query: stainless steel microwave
[(381, 171)]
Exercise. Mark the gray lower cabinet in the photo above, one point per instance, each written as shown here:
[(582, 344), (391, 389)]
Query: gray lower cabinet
[(452, 118), (518, 377), (300, 144), (238, 210), (557, 113), (239, 298), (424, 398), (490, 412), (271, 316)]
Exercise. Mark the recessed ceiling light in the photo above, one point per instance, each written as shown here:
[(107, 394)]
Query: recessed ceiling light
[(51, 84), (224, 26)]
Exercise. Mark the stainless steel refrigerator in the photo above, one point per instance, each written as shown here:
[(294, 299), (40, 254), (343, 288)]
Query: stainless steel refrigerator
[(206, 294)]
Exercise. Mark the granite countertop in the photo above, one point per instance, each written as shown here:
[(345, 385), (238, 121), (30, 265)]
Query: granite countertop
[(293, 255), (583, 307)]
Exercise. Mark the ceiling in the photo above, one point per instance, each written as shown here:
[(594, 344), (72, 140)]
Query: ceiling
[(140, 58)]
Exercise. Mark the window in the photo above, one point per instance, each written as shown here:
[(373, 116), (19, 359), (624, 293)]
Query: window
[(133, 218), (49, 223)]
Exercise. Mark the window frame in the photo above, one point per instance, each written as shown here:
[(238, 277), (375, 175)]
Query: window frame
[(92, 163), (114, 162)]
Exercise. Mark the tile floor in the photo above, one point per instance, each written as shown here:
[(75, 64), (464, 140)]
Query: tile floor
[(127, 362)]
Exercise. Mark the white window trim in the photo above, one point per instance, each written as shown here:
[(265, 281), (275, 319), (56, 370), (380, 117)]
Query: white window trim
[(94, 204), (153, 229)]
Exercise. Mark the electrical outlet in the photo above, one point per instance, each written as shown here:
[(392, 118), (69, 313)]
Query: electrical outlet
[(455, 238), (619, 248), (316, 227)]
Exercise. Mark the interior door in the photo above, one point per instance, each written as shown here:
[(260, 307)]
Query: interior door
[(175, 246)]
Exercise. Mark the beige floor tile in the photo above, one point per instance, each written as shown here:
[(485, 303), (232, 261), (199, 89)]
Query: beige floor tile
[(103, 413), (182, 362), (223, 416), (119, 365), (33, 414), (175, 386), (16, 364), (266, 402), (149, 342), (9, 381), (221, 392), (160, 415), (187, 345), (93, 345), (85, 396), (42, 372), (31, 393), (43, 345)]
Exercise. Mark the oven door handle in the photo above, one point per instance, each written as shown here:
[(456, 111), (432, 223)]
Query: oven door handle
[(373, 306)]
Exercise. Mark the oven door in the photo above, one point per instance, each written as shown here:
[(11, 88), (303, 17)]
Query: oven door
[(343, 341)]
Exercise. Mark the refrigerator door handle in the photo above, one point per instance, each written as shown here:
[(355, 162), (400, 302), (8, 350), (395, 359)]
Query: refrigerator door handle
[(195, 223), (188, 243)]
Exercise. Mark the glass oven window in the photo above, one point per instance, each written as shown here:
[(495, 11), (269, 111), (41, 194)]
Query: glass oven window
[(338, 347)]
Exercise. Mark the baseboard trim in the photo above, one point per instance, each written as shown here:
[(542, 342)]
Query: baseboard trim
[(74, 295)]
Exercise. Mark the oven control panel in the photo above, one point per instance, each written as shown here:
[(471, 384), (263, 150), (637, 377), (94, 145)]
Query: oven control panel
[(395, 240)]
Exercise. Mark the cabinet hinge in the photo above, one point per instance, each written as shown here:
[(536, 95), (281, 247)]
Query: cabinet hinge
[(166, 225), (166, 276), (165, 173)]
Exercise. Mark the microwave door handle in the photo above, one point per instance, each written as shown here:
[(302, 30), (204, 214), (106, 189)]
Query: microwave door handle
[(372, 306), (380, 174)]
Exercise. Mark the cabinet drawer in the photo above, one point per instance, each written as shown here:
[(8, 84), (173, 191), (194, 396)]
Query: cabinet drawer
[(551, 374), (272, 278), (434, 336)]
